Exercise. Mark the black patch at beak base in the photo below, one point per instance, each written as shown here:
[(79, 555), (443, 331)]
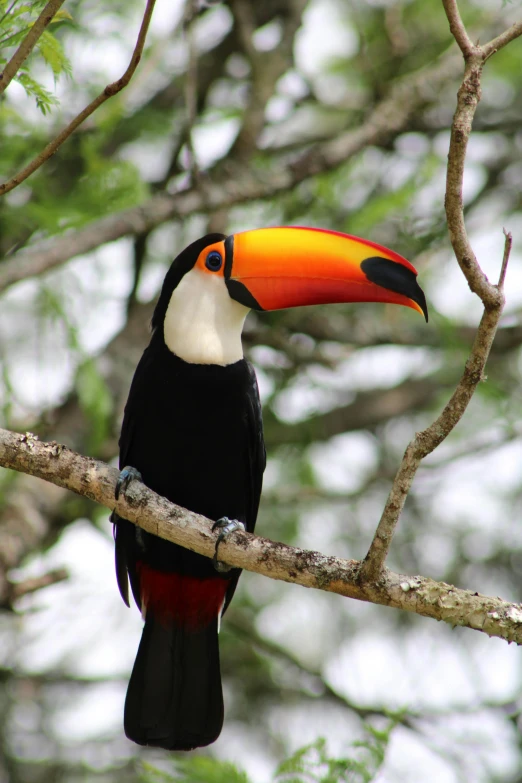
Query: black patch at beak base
[(236, 289)]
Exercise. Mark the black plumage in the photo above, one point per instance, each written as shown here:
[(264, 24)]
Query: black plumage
[(193, 429), (194, 432)]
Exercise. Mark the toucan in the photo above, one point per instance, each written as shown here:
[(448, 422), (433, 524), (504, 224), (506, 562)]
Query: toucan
[(192, 431)]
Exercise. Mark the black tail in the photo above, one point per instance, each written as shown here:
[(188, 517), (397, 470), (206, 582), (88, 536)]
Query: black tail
[(174, 699)]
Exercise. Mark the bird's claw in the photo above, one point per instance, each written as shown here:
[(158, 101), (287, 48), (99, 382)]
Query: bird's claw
[(226, 526), (127, 475)]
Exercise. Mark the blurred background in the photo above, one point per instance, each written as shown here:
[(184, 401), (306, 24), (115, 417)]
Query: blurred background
[(229, 94)]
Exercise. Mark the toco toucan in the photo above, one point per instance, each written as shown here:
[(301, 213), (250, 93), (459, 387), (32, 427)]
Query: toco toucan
[(192, 431)]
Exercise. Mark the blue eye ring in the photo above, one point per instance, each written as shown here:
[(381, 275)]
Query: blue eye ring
[(214, 261)]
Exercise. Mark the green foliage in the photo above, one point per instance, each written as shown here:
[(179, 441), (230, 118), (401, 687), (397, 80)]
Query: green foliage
[(44, 99), (15, 23), (52, 51), (49, 305), (93, 394), (313, 764), (7, 392), (95, 400), (194, 769), (310, 764), (107, 186)]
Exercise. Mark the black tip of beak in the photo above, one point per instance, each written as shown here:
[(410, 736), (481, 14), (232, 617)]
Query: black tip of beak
[(421, 301), (395, 277)]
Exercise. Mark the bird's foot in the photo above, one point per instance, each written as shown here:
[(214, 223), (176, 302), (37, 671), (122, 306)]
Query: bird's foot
[(226, 526), (127, 475)]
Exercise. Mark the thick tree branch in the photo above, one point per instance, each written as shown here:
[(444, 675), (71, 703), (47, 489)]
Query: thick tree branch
[(492, 297), (108, 92), (29, 42), (387, 120), (96, 480)]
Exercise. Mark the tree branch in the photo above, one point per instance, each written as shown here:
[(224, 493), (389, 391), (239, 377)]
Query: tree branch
[(96, 480), (387, 120), (465, 43), (108, 92), (242, 628), (29, 42), (515, 31), (426, 442), (367, 409), (457, 27), (266, 69), (35, 583), (492, 297)]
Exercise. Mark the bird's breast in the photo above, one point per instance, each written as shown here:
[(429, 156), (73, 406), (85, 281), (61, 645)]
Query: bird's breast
[(190, 439)]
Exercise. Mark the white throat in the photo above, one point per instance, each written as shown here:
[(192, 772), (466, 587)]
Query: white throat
[(203, 324)]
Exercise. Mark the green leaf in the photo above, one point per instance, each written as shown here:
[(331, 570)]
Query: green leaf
[(44, 99), (312, 763), (15, 23), (197, 769), (62, 16), (52, 51)]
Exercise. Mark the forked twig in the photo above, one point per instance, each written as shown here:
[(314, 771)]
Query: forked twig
[(491, 295)]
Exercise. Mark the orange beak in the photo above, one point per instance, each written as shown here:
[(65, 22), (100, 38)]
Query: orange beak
[(275, 268)]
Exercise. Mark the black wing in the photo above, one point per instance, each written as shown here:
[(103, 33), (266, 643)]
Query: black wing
[(249, 438), (256, 449), (125, 531), (256, 463)]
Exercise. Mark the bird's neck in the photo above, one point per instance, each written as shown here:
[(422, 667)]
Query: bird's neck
[(203, 324)]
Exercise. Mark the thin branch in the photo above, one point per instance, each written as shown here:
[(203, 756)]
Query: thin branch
[(515, 31), (96, 480), (426, 442), (387, 120), (469, 95), (508, 244), (457, 27), (462, 38), (108, 92), (32, 585), (492, 298), (29, 42)]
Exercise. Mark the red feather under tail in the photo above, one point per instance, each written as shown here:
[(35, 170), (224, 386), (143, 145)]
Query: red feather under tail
[(187, 601), (174, 699)]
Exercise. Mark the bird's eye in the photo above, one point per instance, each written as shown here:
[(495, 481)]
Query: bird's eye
[(214, 261)]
